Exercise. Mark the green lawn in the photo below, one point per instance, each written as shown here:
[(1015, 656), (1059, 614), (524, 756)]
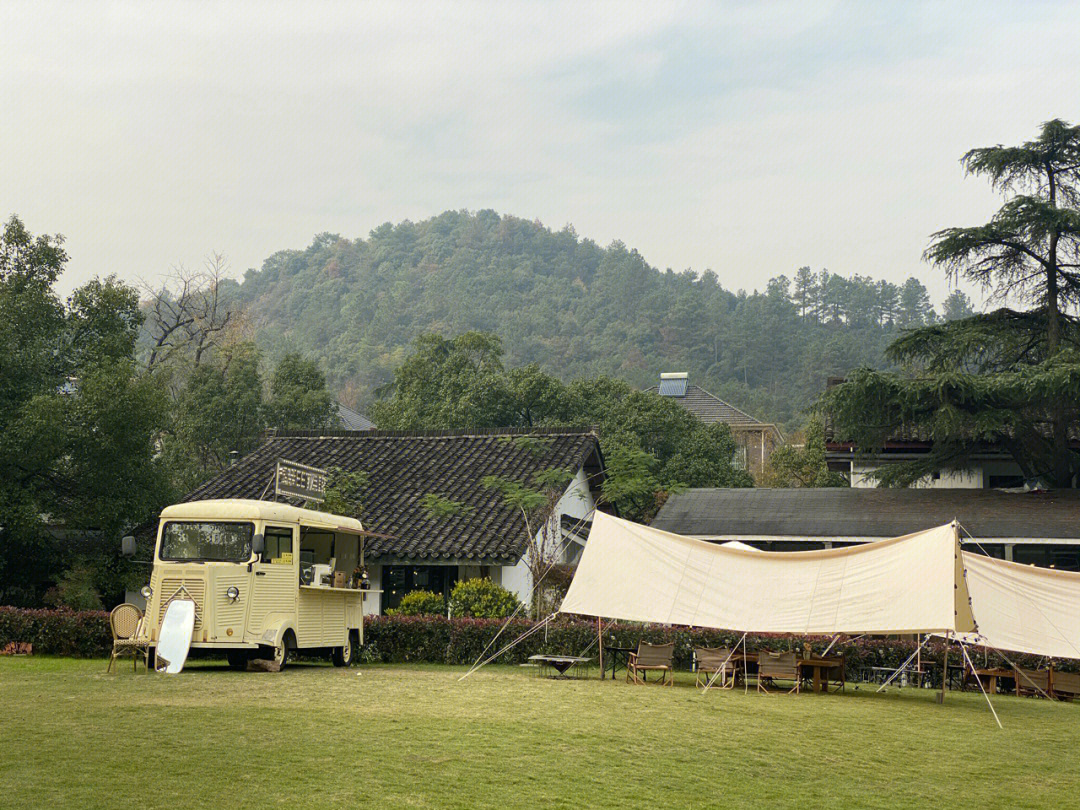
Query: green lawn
[(412, 736)]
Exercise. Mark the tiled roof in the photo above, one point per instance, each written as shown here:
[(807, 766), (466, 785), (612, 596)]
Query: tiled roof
[(857, 512), (709, 408), (403, 467), (353, 420)]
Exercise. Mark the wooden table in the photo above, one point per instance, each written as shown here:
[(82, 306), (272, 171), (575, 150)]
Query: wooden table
[(561, 664), (989, 678), (821, 667)]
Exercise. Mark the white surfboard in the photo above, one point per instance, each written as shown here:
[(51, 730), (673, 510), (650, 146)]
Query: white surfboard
[(174, 639)]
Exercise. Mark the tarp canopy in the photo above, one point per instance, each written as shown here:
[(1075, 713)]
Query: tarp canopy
[(1023, 608), (910, 584)]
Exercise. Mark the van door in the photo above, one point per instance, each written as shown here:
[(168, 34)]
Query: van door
[(276, 581)]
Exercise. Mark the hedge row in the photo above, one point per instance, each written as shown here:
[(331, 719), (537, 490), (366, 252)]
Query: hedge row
[(461, 641), (435, 639), (82, 634)]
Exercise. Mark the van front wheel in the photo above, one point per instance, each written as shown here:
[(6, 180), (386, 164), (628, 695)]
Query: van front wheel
[(283, 652), (343, 656)]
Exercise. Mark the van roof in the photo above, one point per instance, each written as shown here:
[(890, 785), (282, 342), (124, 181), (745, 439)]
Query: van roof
[(246, 509)]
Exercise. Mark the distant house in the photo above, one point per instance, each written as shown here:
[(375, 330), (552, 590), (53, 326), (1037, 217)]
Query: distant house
[(989, 467), (353, 420), (1036, 528), (470, 531), (755, 440)]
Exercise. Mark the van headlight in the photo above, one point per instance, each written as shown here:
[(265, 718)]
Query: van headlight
[(233, 593), (147, 591)]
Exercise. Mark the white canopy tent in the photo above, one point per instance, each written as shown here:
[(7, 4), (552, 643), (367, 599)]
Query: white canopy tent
[(910, 584), (919, 583), (1023, 608)]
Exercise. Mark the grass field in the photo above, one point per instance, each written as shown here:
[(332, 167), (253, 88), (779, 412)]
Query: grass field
[(412, 736)]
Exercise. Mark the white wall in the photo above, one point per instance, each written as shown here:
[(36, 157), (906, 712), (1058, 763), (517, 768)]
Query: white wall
[(946, 479)]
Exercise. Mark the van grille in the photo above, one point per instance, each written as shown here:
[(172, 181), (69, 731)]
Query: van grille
[(176, 588)]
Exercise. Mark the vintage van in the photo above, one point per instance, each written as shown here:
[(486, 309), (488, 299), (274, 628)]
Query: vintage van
[(266, 578)]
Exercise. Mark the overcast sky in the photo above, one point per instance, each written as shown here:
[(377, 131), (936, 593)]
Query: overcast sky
[(746, 138)]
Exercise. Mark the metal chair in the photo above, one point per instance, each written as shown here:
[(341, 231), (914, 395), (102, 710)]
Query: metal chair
[(713, 660), (651, 658), (773, 665), (126, 622)]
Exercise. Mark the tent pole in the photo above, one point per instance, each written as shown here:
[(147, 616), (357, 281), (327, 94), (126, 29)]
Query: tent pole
[(963, 649), (944, 669), (600, 648)]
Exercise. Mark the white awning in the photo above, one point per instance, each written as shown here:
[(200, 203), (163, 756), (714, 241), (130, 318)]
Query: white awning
[(910, 584)]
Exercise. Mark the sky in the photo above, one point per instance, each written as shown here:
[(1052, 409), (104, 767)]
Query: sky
[(746, 138)]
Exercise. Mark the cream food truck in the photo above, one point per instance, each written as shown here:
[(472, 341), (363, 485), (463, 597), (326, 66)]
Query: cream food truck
[(266, 578)]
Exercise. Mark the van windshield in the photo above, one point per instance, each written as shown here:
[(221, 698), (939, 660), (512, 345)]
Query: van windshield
[(206, 541)]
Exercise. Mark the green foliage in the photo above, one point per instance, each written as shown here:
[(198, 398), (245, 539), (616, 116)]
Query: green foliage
[(561, 305), (420, 603), (482, 599), (298, 396), (78, 422), (75, 590), (344, 492), (1010, 379), (805, 466), (441, 508), (515, 494), (82, 634)]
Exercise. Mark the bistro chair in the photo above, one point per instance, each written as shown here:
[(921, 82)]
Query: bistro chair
[(126, 621), (651, 658), (773, 666), (713, 660)]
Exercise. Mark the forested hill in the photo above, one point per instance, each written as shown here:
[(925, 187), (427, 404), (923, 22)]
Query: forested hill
[(570, 305)]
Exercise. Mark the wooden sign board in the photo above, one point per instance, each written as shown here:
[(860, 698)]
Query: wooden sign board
[(300, 481)]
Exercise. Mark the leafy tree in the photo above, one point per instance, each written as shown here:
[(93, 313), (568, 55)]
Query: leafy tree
[(1009, 378), (803, 466), (218, 413), (957, 306), (77, 421), (298, 396)]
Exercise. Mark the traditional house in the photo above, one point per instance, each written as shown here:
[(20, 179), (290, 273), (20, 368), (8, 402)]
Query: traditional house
[(426, 492), (1036, 528), (755, 440)]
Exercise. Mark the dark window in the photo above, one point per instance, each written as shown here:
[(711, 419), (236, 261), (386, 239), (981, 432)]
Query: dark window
[(277, 543), (1004, 481), (1063, 558), (995, 550), (398, 580)]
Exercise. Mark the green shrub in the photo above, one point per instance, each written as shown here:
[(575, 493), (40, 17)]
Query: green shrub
[(482, 599), (75, 590), (420, 603), (82, 634)]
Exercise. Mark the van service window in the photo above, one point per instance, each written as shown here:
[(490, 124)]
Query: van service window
[(278, 545), (205, 541)]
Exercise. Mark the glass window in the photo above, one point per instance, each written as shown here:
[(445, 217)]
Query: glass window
[(278, 545), (206, 541), (1064, 558)]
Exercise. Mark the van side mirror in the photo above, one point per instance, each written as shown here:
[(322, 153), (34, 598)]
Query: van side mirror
[(258, 544), (127, 546)]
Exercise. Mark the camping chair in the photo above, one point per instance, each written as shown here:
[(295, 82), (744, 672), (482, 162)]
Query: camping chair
[(711, 660), (773, 665), (1028, 679), (125, 621), (1066, 685), (651, 658)]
